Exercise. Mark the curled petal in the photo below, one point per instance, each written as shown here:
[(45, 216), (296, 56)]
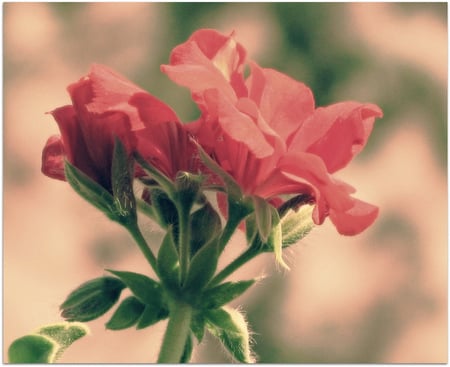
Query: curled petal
[(332, 197), (356, 219), (53, 158), (336, 133), (208, 59), (284, 102)]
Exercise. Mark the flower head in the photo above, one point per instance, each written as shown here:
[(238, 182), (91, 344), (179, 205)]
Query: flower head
[(105, 105), (266, 132)]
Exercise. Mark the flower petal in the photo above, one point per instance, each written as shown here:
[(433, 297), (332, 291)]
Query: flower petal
[(336, 133), (284, 103), (356, 219), (164, 141), (332, 198), (53, 158), (208, 60)]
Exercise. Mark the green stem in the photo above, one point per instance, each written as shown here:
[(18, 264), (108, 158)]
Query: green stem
[(143, 246), (184, 241), (246, 256), (176, 333)]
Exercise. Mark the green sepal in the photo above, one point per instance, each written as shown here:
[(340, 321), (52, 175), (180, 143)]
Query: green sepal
[(275, 240), (168, 262), (122, 174), (263, 216), (203, 266), (296, 224), (197, 326), (222, 294), (90, 190), (166, 184), (164, 208), (92, 299), (205, 225), (32, 349), (187, 351), (233, 188), (230, 327), (127, 314), (151, 315), (147, 290)]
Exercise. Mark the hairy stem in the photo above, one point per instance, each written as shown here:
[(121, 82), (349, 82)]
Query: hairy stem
[(143, 246), (176, 333)]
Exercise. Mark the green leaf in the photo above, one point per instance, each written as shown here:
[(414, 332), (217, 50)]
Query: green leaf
[(90, 190), (230, 327), (263, 215), (223, 293), (47, 344), (92, 299), (32, 349), (151, 315), (64, 333), (122, 183), (187, 352), (205, 225), (296, 224), (168, 262), (127, 314), (197, 326), (144, 288), (203, 266)]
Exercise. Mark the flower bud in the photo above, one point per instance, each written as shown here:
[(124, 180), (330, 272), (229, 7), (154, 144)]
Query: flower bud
[(92, 299)]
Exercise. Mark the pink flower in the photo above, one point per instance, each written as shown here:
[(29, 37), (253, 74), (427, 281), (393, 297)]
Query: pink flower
[(105, 105), (267, 133)]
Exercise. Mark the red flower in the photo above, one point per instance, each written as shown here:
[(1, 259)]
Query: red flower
[(105, 105), (268, 134)]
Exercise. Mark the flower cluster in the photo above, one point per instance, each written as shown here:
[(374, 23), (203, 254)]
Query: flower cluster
[(264, 130), (260, 144)]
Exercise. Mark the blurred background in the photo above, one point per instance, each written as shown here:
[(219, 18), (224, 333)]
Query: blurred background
[(380, 297)]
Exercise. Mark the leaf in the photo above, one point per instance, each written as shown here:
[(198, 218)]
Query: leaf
[(187, 352), (198, 323), (168, 262), (223, 293), (144, 288), (203, 266), (32, 349), (47, 344), (152, 315), (90, 190), (230, 327), (92, 299), (64, 333), (127, 314), (205, 225), (122, 183)]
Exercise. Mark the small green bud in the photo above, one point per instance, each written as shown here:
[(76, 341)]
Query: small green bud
[(92, 299), (296, 224)]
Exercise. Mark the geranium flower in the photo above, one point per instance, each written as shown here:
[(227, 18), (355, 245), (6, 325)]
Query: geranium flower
[(105, 105), (267, 133)]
